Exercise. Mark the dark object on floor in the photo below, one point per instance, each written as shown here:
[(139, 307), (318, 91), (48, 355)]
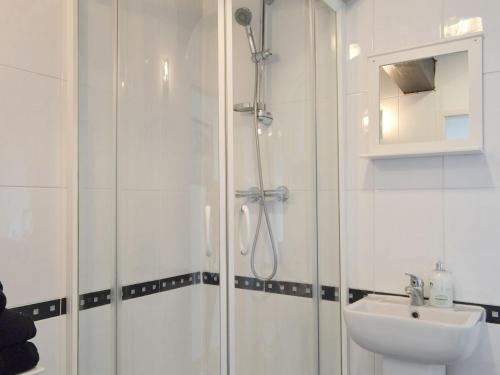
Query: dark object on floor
[(3, 299), (18, 358), (15, 328)]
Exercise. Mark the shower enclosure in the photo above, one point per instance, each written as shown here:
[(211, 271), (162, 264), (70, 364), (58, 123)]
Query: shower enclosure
[(208, 187)]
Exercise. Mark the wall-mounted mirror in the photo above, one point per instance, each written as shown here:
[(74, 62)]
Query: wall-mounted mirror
[(427, 100)]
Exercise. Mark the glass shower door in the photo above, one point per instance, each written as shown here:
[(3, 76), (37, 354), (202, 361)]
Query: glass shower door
[(168, 187), (150, 187), (285, 310)]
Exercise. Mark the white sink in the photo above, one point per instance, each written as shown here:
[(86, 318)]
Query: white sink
[(413, 345)]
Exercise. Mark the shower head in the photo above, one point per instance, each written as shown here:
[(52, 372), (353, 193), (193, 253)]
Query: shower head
[(243, 16)]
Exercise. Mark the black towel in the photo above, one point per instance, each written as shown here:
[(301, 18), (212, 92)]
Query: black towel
[(3, 299), (15, 328), (3, 302), (18, 358)]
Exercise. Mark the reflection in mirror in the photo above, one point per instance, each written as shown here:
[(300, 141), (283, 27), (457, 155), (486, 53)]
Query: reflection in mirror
[(425, 100)]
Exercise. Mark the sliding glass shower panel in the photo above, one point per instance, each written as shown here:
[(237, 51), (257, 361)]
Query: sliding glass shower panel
[(168, 187), (286, 243), (275, 251)]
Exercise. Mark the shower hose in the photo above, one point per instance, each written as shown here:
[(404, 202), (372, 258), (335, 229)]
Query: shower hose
[(263, 211)]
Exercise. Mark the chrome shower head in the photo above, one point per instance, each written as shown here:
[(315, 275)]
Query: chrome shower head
[(243, 16)]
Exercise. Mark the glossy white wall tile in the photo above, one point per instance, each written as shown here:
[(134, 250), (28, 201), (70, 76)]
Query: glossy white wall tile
[(330, 330), (416, 173), (32, 242), (361, 362), (96, 329), (140, 236), (328, 237), (97, 138), (183, 245), (327, 144), (399, 24), (97, 46), (288, 146), (358, 44), (32, 35), (462, 16), (50, 341), (482, 170), (360, 239), (358, 170), (408, 232), (288, 76), (97, 240), (254, 311), (133, 355), (32, 129), (471, 238)]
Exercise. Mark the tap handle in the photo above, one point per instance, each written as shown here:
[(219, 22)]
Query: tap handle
[(415, 281)]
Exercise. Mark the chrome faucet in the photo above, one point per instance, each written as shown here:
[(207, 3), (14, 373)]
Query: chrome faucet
[(415, 290)]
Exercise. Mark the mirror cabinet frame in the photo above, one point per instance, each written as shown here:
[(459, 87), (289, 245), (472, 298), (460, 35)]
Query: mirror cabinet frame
[(473, 45)]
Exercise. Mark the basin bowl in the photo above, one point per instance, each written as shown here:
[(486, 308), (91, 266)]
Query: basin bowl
[(433, 336)]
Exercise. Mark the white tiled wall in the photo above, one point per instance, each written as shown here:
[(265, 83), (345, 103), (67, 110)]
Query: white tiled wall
[(404, 214), (33, 154)]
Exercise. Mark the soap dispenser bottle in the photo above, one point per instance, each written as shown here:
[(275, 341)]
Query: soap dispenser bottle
[(441, 287)]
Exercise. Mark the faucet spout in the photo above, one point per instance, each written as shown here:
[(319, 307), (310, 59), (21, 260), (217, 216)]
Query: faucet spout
[(415, 290)]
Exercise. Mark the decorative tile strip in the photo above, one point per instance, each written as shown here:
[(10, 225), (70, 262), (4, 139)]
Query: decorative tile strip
[(42, 310), (95, 299), (330, 293), (250, 283), (211, 278), (140, 290), (180, 281), (289, 288)]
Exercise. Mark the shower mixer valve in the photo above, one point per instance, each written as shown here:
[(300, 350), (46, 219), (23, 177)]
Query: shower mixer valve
[(281, 194)]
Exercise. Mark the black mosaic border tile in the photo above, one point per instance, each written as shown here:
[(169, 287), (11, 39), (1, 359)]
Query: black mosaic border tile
[(95, 299), (492, 311), (289, 288), (249, 283), (140, 290), (211, 278), (40, 311), (181, 281), (330, 293), (64, 304)]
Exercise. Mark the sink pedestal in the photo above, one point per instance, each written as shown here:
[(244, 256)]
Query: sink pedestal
[(395, 367)]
